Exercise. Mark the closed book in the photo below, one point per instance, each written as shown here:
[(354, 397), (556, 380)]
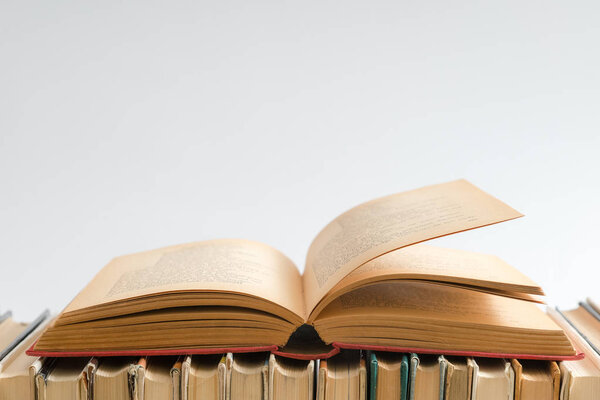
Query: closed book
[(9, 330), (17, 369), (404, 374), (234, 295), (64, 379), (458, 379), (343, 377), (493, 379), (204, 376), (249, 377), (12, 333), (388, 375), (158, 383), (536, 380), (291, 379), (176, 379), (586, 321), (429, 378), (580, 378), (119, 378), (412, 375)]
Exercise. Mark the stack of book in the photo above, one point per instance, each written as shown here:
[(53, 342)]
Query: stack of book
[(351, 374), (376, 314)]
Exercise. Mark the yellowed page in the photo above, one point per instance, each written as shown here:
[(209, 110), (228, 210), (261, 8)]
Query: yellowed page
[(425, 262), (432, 302), (428, 315), (388, 223), (230, 265)]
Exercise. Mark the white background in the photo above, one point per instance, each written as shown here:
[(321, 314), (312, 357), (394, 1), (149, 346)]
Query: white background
[(126, 126)]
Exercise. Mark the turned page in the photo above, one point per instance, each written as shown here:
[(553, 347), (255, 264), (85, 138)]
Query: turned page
[(389, 223), (484, 272), (231, 265)]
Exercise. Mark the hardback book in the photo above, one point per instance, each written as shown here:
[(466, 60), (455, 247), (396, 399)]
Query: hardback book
[(291, 379), (458, 381), (367, 284), (388, 375), (342, 377), (203, 376), (592, 305), (158, 381), (586, 321), (412, 375), (17, 369), (9, 330), (429, 377), (12, 333), (249, 378), (493, 379), (536, 380), (176, 373), (119, 378), (64, 379), (580, 378)]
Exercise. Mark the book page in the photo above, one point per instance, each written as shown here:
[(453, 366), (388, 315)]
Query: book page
[(424, 262), (389, 223), (231, 265), (432, 302)]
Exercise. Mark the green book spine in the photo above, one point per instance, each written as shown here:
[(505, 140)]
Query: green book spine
[(404, 367), (372, 376)]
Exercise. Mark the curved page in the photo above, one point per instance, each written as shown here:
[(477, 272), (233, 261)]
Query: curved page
[(423, 262), (389, 223), (228, 265)]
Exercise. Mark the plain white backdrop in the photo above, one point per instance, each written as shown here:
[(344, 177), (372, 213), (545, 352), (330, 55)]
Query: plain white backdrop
[(130, 125)]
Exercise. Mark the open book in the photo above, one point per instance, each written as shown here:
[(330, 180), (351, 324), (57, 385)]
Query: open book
[(362, 287)]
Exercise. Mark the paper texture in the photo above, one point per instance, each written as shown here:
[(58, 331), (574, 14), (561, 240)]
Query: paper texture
[(388, 223), (231, 265)]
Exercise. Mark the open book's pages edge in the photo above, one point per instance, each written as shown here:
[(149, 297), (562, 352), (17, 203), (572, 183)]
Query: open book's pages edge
[(458, 206), (155, 352), (351, 346), (336, 348), (511, 295)]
